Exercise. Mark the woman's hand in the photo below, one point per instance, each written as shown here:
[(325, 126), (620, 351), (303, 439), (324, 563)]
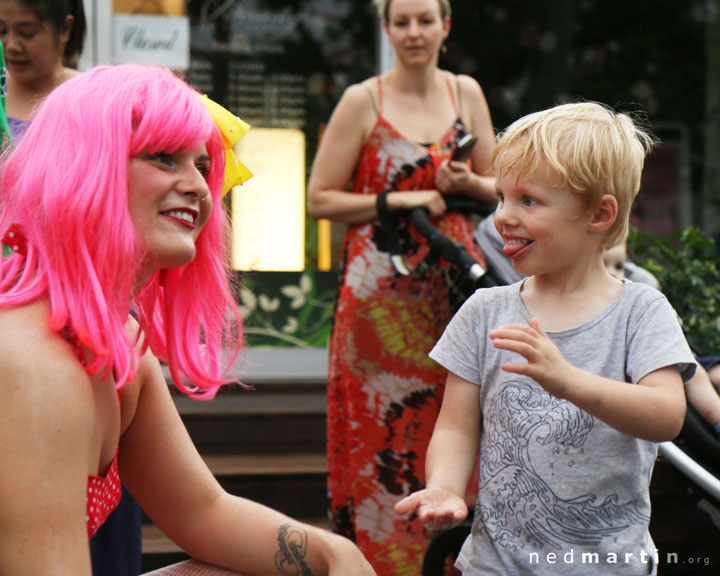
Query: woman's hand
[(453, 177), (431, 200), (437, 509)]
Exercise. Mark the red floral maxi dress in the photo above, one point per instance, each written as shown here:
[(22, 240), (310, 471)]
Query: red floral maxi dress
[(384, 392)]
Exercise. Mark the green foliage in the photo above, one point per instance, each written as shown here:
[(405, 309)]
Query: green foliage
[(688, 269), (287, 309)]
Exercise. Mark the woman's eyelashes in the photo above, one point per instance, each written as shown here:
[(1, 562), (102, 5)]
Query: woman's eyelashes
[(162, 158), (171, 161), (204, 169)]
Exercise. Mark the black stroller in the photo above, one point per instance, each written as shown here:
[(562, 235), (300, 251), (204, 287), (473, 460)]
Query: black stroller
[(685, 489)]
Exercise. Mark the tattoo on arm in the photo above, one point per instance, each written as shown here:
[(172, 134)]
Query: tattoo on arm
[(292, 549)]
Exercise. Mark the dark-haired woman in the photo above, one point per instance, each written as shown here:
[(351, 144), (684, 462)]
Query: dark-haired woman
[(42, 39)]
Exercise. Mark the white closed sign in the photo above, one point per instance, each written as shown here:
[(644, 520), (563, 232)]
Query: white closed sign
[(150, 39)]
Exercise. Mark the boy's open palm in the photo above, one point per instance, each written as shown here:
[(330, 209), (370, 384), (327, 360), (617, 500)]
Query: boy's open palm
[(436, 508), (545, 363)]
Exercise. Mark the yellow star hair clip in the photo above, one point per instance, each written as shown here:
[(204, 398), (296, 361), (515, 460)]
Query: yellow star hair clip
[(232, 129)]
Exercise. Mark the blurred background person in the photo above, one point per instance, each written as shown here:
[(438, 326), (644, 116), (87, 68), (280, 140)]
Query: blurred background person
[(42, 40), (702, 389), (620, 267), (4, 129), (390, 138)]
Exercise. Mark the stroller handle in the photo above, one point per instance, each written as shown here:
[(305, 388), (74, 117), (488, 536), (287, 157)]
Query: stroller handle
[(450, 250), (691, 469)]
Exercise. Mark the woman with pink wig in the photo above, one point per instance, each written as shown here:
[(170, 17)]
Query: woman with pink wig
[(111, 203)]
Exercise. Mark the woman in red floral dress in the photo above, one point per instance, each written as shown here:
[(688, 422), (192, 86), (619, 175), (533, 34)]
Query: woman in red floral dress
[(394, 134)]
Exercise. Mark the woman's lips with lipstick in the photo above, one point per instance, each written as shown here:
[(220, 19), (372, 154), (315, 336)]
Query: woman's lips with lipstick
[(184, 216)]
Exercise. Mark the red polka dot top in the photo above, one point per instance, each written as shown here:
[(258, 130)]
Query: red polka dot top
[(103, 496)]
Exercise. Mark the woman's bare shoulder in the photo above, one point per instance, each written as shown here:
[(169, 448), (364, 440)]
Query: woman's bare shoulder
[(359, 98), (25, 336), (41, 379), (469, 86), (475, 108), (32, 353), (352, 119)]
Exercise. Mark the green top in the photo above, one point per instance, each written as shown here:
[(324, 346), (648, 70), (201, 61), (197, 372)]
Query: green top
[(4, 129)]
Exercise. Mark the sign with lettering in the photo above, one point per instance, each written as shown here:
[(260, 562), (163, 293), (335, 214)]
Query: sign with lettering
[(150, 39)]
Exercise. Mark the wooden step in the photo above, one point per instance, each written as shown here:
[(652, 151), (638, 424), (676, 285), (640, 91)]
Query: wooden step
[(267, 399), (282, 365), (297, 495), (284, 412), (295, 484), (277, 370), (154, 541), (264, 464), (291, 433), (282, 382)]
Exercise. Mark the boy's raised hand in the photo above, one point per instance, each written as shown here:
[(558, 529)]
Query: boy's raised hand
[(545, 363), (437, 509)]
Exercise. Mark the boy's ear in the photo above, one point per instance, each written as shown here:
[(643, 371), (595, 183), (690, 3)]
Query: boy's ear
[(605, 214)]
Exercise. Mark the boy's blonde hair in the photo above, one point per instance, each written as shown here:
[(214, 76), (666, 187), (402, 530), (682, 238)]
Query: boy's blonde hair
[(383, 7), (588, 147)]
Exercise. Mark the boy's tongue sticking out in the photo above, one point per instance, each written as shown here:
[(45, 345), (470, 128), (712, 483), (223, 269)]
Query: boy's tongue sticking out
[(516, 248)]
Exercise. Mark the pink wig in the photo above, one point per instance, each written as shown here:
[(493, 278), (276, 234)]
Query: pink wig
[(66, 187)]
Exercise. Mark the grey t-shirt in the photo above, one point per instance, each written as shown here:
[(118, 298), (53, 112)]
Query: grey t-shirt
[(561, 492)]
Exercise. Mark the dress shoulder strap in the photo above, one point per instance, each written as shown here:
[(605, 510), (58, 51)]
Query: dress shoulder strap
[(459, 98), (452, 94), (372, 100), (379, 98)]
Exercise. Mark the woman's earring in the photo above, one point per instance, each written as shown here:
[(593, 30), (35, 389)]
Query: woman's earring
[(443, 48)]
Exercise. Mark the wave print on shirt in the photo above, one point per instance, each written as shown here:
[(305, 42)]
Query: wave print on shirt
[(520, 508)]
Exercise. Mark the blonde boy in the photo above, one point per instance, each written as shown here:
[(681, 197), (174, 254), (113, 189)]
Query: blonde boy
[(566, 380)]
